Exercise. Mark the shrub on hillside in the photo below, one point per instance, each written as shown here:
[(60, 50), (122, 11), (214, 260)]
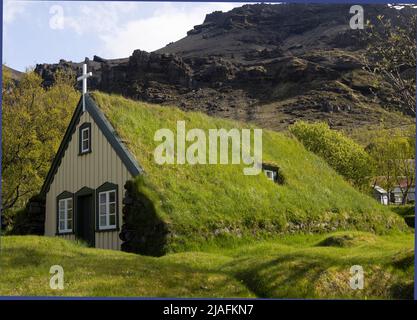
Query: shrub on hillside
[(343, 154)]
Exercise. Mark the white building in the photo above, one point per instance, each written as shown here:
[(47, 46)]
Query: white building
[(381, 195)]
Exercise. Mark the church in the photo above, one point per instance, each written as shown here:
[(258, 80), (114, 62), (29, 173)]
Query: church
[(84, 189), (84, 186)]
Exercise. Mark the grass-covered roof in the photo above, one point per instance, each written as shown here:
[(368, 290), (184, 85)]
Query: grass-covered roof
[(218, 204)]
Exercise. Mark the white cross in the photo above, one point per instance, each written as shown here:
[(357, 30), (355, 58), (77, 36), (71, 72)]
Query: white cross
[(84, 77)]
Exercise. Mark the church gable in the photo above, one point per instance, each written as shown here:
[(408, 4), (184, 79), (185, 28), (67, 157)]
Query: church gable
[(80, 131)]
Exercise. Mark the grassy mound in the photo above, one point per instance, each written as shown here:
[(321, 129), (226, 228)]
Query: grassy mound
[(26, 260), (290, 267), (404, 259), (347, 240), (295, 267), (218, 204)]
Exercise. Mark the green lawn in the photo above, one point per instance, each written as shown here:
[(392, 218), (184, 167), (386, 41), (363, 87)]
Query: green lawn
[(296, 266)]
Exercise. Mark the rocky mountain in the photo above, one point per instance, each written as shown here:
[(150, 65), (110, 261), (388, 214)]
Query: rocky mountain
[(263, 63)]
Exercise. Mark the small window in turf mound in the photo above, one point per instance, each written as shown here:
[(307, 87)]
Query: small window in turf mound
[(273, 173)]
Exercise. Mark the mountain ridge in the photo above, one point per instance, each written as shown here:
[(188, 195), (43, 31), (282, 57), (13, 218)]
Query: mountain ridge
[(262, 63)]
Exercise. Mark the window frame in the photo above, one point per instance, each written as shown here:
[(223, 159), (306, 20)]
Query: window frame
[(65, 197), (107, 213), (106, 189), (274, 173), (278, 178), (85, 139), (85, 127)]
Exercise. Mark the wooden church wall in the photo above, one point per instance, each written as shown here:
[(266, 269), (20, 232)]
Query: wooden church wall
[(91, 170)]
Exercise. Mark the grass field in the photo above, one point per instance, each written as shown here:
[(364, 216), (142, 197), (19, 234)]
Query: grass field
[(297, 266)]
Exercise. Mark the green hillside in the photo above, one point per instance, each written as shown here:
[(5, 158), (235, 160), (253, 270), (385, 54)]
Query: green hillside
[(205, 205), (297, 266)]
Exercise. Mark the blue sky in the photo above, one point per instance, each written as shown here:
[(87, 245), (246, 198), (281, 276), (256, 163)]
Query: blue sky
[(46, 31)]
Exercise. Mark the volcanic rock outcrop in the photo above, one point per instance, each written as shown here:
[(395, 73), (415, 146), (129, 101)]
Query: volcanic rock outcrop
[(268, 64)]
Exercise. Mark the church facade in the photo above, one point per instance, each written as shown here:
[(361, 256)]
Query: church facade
[(85, 184)]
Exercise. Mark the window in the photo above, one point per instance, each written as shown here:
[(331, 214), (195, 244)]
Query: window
[(65, 215), (107, 210), (85, 138), (270, 174), (273, 173)]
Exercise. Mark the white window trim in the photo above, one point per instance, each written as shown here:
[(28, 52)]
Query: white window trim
[(272, 172), (87, 139), (65, 220), (107, 226)]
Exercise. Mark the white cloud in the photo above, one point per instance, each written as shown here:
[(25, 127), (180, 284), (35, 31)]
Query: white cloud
[(11, 9), (96, 17), (124, 27), (169, 23)]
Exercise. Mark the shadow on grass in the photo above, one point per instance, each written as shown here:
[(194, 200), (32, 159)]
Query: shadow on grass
[(301, 276), (23, 257), (281, 277)]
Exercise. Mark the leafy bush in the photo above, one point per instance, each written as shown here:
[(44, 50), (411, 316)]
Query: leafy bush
[(394, 152), (406, 210), (343, 154), (34, 120)]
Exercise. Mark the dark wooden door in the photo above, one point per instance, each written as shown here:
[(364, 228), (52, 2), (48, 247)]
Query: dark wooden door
[(85, 219)]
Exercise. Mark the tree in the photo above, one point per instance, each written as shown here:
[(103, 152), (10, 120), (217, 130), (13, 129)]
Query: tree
[(34, 121), (393, 152), (391, 56), (343, 154)]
